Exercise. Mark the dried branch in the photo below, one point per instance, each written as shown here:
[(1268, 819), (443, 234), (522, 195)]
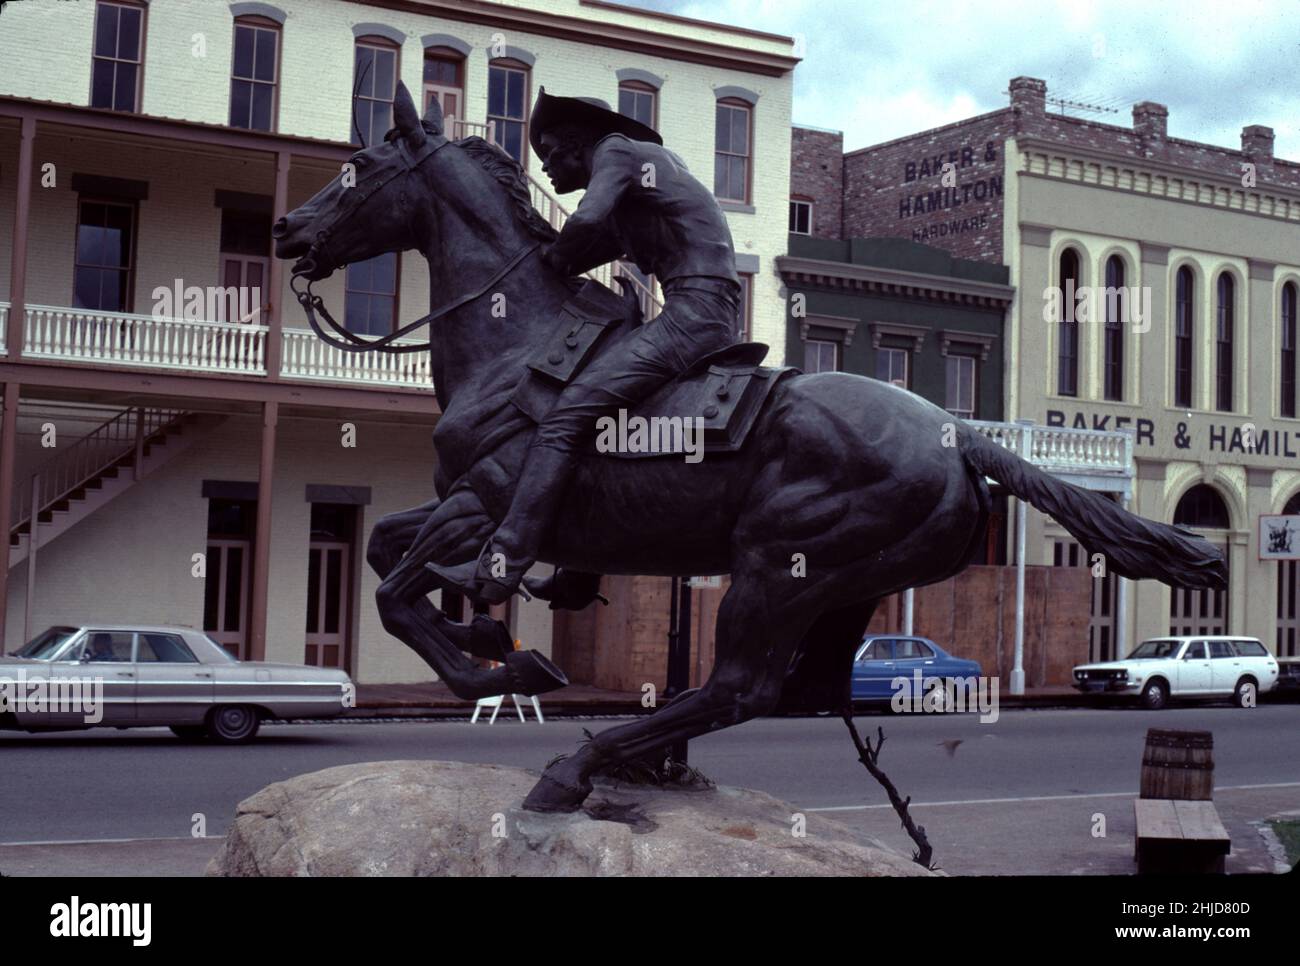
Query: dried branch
[(869, 756)]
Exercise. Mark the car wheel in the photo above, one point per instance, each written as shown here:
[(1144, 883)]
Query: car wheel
[(232, 724), (1247, 694), (947, 701), (190, 732), (1155, 696)]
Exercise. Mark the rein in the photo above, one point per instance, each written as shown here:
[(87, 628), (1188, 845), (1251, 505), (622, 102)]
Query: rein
[(347, 341)]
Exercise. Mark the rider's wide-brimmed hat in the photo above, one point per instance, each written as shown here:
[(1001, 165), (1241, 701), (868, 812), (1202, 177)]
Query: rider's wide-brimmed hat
[(550, 111)]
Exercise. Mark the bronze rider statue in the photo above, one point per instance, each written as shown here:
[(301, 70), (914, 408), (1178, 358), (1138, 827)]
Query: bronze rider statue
[(641, 203)]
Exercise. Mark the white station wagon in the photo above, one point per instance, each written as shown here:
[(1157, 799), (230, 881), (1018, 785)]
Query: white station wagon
[(1185, 667)]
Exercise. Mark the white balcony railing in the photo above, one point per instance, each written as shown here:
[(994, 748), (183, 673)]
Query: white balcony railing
[(1058, 449), (121, 339), (307, 357)]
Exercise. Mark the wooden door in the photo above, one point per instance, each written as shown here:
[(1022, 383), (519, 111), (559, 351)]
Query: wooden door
[(327, 603)]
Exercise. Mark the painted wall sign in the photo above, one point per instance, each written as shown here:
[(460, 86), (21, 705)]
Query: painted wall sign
[(1197, 438), (1279, 536), (954, 192)]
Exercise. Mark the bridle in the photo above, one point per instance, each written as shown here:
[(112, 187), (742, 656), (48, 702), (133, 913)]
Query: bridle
[(318, 254)]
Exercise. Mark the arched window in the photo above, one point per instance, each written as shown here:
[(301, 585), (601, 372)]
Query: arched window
[(1223, 344), (1203, 611), (1184, 319), (1067, 354), (1116, 308), (1202, 507), (1288, 334), (375, 72)]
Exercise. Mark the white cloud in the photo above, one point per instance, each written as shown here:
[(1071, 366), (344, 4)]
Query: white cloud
[(881, 70)]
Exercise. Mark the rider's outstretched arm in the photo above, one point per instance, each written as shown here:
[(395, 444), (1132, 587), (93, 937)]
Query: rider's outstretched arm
[(585, 240)]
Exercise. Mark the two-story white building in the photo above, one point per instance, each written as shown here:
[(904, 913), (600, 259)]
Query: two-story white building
[(219, 466)]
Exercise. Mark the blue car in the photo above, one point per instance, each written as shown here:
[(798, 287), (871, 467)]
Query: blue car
[(883, 658)]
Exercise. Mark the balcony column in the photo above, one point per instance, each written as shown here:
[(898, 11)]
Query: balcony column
[(262, 538), (8, 430), (275, 274), (18, 258)]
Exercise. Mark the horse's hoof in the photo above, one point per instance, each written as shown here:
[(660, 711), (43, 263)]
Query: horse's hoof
[(550, 795), (531, 673), (489, 638)]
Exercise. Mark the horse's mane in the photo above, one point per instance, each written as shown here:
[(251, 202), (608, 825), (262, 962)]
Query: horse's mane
[(510, 175)]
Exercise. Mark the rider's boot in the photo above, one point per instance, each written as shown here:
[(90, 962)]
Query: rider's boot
[(566, 589), (495, 574)]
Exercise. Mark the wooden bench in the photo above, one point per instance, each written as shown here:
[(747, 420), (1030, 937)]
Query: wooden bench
[(1179, 836)]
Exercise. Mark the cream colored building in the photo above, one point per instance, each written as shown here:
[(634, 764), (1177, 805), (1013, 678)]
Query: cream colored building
[(1211, 236), (180, 128)]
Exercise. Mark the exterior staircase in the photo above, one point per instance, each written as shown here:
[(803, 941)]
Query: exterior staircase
[(89, 474)]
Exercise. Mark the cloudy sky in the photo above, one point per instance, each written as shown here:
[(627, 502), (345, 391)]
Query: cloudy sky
[(880, 69)]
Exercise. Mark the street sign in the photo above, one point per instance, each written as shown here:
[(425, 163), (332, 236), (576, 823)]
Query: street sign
[(1279, 536)]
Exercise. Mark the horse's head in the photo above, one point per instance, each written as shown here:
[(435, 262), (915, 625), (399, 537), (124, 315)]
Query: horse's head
[(369, 208)]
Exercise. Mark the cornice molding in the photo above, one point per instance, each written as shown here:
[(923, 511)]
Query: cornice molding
[(1155, 165), (591, 30), (891, 281), (916, 333)]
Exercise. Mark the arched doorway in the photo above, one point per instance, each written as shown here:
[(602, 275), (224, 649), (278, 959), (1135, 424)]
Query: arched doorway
[(1202, 611), (1288, 591)]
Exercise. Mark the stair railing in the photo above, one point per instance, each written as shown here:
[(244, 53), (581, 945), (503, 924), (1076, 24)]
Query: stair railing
[(76, 465)]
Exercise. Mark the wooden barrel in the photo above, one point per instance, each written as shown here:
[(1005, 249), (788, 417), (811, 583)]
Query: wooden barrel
[(1179, 765)]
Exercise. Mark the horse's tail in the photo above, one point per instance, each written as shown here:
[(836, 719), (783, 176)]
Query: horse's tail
[(1131, 546)]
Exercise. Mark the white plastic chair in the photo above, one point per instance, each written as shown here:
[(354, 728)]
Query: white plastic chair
[(495, 704)]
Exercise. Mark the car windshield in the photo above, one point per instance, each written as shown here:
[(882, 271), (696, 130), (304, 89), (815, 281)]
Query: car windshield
[(1156, 649), (42, 646)]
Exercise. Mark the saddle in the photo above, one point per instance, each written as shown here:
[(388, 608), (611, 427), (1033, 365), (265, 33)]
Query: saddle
[(722, 393)]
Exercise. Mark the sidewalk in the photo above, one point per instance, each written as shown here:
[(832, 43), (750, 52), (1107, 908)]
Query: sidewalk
[(433, 699)]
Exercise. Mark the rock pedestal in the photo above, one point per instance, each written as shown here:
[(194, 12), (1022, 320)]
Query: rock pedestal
[(440, 818)]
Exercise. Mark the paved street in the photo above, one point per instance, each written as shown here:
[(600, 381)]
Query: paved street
[(1018, 795)]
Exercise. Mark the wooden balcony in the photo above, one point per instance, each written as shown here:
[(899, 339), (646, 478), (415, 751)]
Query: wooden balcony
[(118, 339)]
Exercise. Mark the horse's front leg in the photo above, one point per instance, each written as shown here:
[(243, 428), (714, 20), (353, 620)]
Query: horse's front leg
[(391, 539), (451, 530)]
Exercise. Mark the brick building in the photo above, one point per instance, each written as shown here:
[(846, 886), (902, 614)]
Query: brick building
[(1157, 282)]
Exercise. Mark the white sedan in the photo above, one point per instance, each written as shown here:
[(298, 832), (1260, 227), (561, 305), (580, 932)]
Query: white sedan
[(141, 676), (1185, 667)]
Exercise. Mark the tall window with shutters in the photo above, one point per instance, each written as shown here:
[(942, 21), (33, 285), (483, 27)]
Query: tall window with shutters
[(118, 56)]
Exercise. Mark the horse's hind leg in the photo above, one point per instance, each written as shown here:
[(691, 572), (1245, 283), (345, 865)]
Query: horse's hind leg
[(757, 630), (448, 528)]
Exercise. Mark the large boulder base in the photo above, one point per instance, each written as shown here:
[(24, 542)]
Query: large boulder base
[(446, 818)]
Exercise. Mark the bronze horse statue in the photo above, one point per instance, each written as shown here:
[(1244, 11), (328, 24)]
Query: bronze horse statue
[(848, 488)]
